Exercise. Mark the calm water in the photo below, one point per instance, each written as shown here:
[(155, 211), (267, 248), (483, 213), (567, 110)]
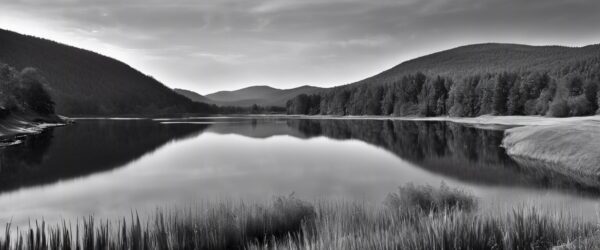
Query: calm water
[(110, 167)]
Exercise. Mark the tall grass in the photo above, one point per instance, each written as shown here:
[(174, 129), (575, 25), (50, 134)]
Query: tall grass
[(416, 217)]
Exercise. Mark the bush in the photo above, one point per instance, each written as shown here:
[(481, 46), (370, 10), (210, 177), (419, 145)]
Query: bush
[(429, 199)]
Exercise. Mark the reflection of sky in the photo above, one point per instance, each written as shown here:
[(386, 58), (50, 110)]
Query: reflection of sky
[(233, 167)]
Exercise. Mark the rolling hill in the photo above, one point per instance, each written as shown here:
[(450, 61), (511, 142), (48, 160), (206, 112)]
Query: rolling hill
[(85, 83), (192, 95), (260, 95)]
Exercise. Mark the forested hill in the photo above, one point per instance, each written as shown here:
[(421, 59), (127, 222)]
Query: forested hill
[(82, 82), (498, 79), (491, 58)]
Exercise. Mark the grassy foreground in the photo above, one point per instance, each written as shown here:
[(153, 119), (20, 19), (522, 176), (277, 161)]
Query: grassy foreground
[(415, 217)]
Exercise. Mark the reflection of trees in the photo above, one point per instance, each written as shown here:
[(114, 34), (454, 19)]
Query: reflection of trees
[(416, 141), (84, 148), (454, 150)]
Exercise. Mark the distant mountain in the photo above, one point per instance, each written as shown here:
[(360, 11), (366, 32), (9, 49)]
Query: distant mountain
[(192, 95), (473, 80), (253, 92), (259, 95), (82, 82)]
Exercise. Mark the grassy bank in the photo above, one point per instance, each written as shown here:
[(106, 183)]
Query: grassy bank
[(414, 217), (571, 148)]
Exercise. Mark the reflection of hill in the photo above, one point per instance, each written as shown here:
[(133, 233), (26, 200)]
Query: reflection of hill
[(464, 153), (255, 128), (84, 148)]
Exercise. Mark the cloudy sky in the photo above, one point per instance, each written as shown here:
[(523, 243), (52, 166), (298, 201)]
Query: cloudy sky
[(210, 45)]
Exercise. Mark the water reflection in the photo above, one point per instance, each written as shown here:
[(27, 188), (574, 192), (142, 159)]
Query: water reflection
[(82, 149), (109, 168), (465, 153), (462, 152)]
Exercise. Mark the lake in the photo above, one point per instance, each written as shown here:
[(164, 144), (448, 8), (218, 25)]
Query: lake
[(111, 167)]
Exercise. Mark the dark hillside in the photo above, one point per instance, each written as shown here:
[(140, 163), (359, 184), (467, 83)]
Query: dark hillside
[(86, 83)]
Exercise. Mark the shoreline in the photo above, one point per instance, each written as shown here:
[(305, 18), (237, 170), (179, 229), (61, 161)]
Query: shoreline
[(14, 128), (525, 137), (572, 148), (481, 120)]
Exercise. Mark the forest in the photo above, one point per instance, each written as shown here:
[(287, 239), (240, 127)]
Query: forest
[(253, 109), (547, 88)]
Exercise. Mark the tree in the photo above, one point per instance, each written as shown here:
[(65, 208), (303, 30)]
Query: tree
[(373, 101), (590, 89), (298, 105), (254, 109), (387, 103), (559, 108), (485, 88), (514, 104), (33, 92), (339, 102), (501, 91), (579, 106), (432, 93), (574, 85)]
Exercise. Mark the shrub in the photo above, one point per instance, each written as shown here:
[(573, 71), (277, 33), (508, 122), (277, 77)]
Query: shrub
[(429, 199)]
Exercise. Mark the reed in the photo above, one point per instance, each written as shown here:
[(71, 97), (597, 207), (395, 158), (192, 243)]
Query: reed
[(415, 217)]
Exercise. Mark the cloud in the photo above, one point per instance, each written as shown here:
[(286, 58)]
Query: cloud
[(226, 58), (208, 45)]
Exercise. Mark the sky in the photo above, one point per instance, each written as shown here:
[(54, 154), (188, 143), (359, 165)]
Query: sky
[(212, 45)]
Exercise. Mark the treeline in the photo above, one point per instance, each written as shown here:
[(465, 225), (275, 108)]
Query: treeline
[(254, 109), (23, 91), (571, 91)]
